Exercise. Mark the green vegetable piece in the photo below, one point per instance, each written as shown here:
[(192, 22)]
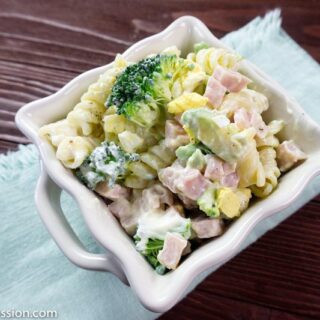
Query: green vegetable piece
[(183, 153), (107, 162), (207, 203), (215, 131), (160, 269), (143, 89), (199, 46), (197, 160), (151, 252)]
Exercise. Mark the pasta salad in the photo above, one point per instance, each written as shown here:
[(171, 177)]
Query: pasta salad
[(176, 145)]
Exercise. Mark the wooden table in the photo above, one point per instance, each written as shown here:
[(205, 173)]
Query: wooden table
[(44, 44)]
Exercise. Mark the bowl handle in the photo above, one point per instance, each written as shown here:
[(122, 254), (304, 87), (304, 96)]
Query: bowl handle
[(47, 199)]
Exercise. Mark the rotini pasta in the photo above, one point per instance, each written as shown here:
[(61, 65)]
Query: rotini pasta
[(250, 169), (57, 131), (72, 151), (248, 99), (270, 140), (271, 171), (86, 117), (157, 157), (209, 58), (87, 114)]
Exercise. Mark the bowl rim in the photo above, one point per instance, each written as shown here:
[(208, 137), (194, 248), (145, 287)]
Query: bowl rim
[(160, 293)]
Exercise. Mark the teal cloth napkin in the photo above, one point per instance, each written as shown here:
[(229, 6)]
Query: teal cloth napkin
[(34, 274)]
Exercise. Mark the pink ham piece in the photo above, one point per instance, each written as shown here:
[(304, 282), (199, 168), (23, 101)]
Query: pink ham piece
[(215, 92), (153, 197), (233, 81), (175, 136), (288, 154), (192, 184), (114, 193), (122, 209), (221, 171), (188, 182), (214, 169), (230, 180), (187, 249), (207, 227), (244, 119), (173, 247)]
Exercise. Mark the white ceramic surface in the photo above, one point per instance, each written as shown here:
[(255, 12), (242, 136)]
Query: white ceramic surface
[(156, 292)]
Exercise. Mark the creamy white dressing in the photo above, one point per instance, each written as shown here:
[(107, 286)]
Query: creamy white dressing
[(156, 223)]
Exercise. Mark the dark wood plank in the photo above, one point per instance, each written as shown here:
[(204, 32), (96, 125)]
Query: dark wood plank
[(280, 271), (44, 44), (6, 146), (38, 37), (212, 307)]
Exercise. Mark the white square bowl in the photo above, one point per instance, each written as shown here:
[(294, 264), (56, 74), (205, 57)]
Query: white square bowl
[(159, 293)]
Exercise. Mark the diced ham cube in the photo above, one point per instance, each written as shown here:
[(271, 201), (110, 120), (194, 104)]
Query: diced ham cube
[(171, 253), (187, 249), (221, 171), (114, 193), (207, 227), (168, 177), (260, 126), (215, 92), (245, 119), (229, 167), (230, 180), (192, 184), (232, 80), (288, 154), (175, 136), (153, 197), (241, 118), (188, 183), (214, 169), (122, 209)]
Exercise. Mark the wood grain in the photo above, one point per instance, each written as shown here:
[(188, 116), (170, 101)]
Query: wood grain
[(279, 272), (44, 44)]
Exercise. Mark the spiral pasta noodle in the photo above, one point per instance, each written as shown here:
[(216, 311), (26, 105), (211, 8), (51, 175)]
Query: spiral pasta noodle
[(87, 114), (145, 170), (72, 151), (209, 58), (271, 170), (270, 140), (75, 136), (57, 131)]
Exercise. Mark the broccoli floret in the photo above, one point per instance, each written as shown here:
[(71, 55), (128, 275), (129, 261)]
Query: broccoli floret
[(144, 88), (151, 252), (107, 162)]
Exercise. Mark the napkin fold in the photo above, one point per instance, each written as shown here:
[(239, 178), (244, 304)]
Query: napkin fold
[(36, 276)]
